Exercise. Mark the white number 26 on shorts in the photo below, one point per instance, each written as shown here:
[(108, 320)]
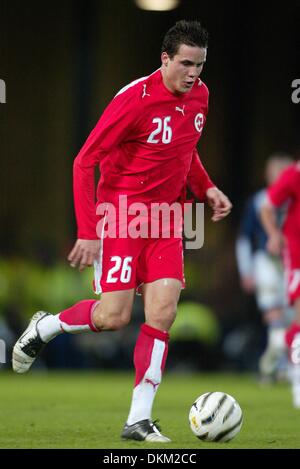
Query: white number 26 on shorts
[(122, 268)]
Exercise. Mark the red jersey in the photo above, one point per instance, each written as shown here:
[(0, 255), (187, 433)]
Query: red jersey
[(145, 146), (287, 189)]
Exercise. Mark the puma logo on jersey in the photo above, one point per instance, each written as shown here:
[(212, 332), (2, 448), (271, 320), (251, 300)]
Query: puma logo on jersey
[(177, 108), (144, 91)]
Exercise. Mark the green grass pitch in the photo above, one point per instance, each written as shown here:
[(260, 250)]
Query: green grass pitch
[(87, 410)]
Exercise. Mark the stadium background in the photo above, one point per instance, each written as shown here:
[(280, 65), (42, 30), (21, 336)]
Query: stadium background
[(62, 62)]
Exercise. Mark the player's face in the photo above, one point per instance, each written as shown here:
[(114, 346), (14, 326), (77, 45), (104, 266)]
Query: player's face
[(181, 71)]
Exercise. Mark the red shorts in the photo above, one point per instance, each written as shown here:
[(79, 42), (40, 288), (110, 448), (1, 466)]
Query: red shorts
[(127, 263)]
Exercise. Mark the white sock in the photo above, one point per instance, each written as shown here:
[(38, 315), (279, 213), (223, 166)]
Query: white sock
[(144, 392), (49, 327), (142, 401)]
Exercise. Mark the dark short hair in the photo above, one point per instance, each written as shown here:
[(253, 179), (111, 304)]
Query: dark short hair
[(185, 32)]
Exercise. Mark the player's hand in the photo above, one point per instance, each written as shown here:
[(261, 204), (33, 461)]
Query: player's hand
[(275, 243), (84, 252), (219, 203), (248, 284)]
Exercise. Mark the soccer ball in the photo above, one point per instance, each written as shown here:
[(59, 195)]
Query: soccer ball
[(215, 416)]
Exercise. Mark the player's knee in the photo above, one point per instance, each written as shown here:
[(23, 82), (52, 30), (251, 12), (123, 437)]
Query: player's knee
[(119, 322), (111, 317)]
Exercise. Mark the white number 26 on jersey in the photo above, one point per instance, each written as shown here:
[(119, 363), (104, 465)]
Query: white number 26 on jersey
[(122, 268), (163, 131)]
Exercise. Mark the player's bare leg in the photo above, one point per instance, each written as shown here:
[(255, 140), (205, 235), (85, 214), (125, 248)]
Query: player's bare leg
[(160, 302), (160, 299), (112, 312)]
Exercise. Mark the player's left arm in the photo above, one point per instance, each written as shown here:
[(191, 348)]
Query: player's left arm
[(205, 190), (198, 179)]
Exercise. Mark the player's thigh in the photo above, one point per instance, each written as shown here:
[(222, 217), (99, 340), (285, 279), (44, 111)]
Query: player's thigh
[(113, 311), (116, 267), (160, 302), (161, 259)]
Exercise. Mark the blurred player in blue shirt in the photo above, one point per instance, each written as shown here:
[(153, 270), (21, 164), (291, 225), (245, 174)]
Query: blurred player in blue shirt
[(262, 273)]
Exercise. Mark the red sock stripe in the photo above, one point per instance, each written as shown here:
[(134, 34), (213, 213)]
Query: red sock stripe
[(79, 314)]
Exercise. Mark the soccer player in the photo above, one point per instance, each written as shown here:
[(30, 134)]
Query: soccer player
[(145, 146), (286, 242), (261, 273)]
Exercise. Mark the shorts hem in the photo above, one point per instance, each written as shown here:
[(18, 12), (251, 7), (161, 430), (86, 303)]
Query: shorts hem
[(118, 288)]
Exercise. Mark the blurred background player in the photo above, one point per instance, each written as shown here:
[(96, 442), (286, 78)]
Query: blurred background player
[(261, 273), (286, 241), (145, 146)]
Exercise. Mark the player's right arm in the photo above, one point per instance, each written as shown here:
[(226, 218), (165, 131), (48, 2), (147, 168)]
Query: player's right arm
[(84, 252), (112, 128)]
